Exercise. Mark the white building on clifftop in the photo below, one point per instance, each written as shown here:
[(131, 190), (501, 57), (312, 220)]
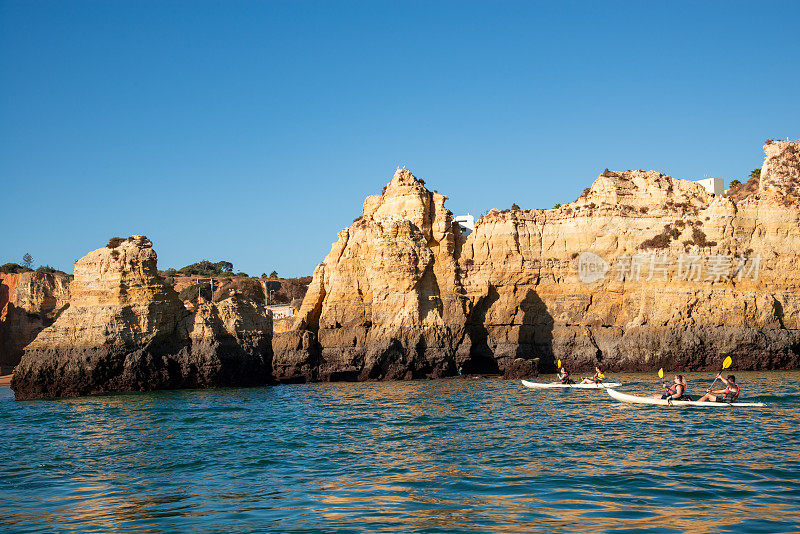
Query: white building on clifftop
[(715, 186), (466, 222)]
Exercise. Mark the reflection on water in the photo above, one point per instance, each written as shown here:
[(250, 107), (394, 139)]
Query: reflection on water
[(427, 456)]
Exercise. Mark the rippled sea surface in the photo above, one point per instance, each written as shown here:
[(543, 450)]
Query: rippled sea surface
[(482, 455)]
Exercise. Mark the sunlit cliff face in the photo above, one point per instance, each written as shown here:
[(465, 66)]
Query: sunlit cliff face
[(687, 276)]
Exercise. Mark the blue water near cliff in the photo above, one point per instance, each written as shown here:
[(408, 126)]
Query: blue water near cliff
[(422, 456)]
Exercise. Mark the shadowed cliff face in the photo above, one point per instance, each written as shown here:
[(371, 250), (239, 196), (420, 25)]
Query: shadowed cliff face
[(29, 302), (676, 278), (126, 330)]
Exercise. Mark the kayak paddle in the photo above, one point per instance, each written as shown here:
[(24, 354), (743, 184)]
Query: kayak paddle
[(725, 364)]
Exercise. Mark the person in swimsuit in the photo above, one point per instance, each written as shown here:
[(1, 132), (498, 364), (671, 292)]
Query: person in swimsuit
[(729, 394), (596, 379)]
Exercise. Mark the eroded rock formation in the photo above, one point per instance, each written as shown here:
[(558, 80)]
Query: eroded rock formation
[(642, 271), (29, 302), (126, 330)]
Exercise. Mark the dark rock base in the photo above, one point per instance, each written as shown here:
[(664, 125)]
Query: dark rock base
[(92, 371), (441, 352)]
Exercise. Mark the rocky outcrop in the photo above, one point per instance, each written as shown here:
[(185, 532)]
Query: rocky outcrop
[(642, 271), (781, 170), (385, 303), (126, 330), (29, 302)]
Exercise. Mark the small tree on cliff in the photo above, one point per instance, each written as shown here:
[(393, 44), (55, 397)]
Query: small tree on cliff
[(755, 173), (273, 274), (27, 260)]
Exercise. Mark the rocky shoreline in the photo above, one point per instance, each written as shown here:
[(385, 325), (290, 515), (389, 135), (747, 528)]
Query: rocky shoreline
[(642, 271)]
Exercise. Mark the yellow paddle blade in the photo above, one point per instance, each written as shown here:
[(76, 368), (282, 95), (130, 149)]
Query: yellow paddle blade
[(661, 373), (559, 364), (727, 362), (601, 375)]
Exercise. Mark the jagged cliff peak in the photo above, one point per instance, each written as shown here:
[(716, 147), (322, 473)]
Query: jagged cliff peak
[(405, 197), (781, 169), (405, 178)]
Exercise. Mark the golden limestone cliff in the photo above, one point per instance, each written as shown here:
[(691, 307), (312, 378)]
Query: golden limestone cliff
[(126, 330), (385, 301), (29, 302), (642, 271)]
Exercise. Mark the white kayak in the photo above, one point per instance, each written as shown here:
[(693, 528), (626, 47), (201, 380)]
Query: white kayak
[(540, 385), (624, 397)]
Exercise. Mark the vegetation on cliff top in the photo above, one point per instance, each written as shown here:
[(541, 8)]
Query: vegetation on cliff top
[(208, 268), (739, 191), (16, 268), (114, 242), (13, 268)]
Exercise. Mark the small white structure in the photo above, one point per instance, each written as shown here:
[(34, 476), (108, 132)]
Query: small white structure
[(282, 311), (715, 186), (466, 222)]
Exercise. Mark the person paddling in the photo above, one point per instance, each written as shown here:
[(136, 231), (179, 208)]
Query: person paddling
[(596, 379), (563, 376), (729, 394), (677, 391)]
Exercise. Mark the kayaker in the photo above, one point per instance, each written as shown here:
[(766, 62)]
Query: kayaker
[(729, 394), (677, 391), (563, 376), (596, 379)]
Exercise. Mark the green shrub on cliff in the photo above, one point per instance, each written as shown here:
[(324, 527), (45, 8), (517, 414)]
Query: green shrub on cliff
[(657, 241), (739, 191), (699, 239), (48, 269), (663, 239), (13, 268), (114, 242), (208, 268), (190, 293)]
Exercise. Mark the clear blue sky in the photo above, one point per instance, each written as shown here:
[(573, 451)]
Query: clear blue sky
[(252, 131)]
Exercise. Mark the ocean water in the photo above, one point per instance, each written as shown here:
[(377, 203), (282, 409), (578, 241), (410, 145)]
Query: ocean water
[(466, 455)]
